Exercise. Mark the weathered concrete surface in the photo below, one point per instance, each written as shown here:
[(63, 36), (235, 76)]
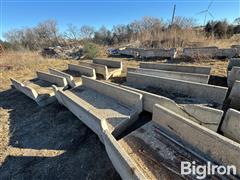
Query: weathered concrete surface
[(233, 75), (231, 125), (205, 116), (68, 77), (235, 95), (200, 139), (42, 95), (108, 62), (227, 52), (208, 93), (55, 79), (121, 161), (192, 77), (233, 62), (150, 154), (73, 74), (99, 68), (94, 101), (237, 47), (200, 52), (103, 70), (83, 70), (158, 53), (114, 68), (176, 67)]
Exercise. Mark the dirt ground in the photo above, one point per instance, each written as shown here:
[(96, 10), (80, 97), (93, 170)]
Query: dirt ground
[(50, 142)]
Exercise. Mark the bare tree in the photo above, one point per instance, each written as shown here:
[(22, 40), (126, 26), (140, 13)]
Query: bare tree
[(86, 32)]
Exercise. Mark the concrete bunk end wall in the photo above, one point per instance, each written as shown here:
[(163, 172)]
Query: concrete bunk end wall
[(55, 79)]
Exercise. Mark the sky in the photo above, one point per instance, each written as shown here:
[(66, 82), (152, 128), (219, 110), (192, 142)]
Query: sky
[(28, 13)]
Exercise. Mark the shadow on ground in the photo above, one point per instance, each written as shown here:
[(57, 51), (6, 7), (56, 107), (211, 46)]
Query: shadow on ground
[(53, 128)]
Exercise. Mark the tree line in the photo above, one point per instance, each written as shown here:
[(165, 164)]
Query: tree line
[(146, 32)]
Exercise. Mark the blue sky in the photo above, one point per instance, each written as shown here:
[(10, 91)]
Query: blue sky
[(28, 13)]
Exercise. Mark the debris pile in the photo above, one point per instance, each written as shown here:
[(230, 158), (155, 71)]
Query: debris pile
[(63, 52)]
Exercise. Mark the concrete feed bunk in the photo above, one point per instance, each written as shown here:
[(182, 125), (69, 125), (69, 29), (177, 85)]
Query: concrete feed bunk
[(95, 101), (178, 68), (105, 67), (201, 140), (150, 153), (233, 76), (40, 90), (200, 78), (205, 116), (203, 93), (73, 74)]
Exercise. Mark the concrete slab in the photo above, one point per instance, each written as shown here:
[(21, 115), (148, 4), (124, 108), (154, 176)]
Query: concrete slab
[(201, 140), (208, 93), (200, 52), (192, 77), (109, 62), (94, 101), (83, 70), (175, 67), (235, 95), (231, 125), (233, 75)]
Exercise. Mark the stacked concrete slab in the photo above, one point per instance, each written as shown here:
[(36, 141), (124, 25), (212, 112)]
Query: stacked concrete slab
[(193, 77), (105, 67), (40, 90), (95, 101), (73, 74)]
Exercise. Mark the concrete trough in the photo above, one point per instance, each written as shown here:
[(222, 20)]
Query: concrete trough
[(226, 53), (231, 125), (233, 76), (148, 153), (95, 101), (40, 89), (178, 68), (208, 93), (201, 140), (102, 69), (73, 74), (200, 52), (234, 96), (192, 77), (158, 53), (205, 116)]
